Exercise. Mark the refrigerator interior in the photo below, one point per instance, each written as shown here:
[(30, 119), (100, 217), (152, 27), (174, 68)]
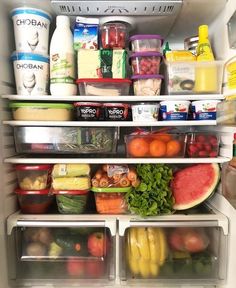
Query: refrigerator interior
[(192, 13)]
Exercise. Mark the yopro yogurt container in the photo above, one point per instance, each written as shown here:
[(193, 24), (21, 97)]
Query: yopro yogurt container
[(31, 29), (204, 109), (145, 111), (174, 110), (31, 73)]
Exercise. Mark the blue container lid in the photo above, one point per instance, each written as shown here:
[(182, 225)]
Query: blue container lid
[(31, 10), (16, 56)]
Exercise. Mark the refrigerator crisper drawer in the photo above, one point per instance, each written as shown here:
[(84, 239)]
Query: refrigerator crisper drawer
[(65, 253), (73, 140), (172, 253)]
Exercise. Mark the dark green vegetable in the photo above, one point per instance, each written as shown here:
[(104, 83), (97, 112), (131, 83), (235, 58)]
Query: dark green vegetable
[(72, 245), (153, 196), (71, 204)]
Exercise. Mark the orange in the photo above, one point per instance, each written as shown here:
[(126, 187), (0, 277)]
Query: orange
[(138, 147), (173, 148), (157, 148), (163, 137)]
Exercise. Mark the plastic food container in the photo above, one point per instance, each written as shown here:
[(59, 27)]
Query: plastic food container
[(71, 201), (31, 29), (33, 177), (31, 73), (41, 111), (202, 145), (104, 87), (147, 42), (88, 111), (226, 113), (145, 111), (147, 85), (146, 63), (204, 109), (111, 200), (195, 77), (34, 201), (156, 145), (113, 35), (174, 110), (116, 111), (69, 140)]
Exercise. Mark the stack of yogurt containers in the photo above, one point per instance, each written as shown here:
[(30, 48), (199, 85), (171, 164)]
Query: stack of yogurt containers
[(30, 60)]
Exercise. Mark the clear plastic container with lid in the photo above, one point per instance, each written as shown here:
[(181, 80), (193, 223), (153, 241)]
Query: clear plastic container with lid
[(113, 35), (146, 63), (146, 42), (33, 177), (147, 85)]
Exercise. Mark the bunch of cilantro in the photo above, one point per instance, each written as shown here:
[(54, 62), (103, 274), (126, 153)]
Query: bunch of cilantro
[(153, 196)]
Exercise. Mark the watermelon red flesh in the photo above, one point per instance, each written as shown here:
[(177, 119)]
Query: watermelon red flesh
[(192, 185)]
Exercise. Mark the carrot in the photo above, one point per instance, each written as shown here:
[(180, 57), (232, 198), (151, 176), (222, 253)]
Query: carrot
[(95, 182), (98, 174), (135, 183), (110, 205), (116, 177), (132, 174), (124, 182), (104, 167), (104, 182)]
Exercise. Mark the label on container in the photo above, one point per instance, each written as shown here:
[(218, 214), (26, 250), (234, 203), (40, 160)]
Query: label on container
[(147, 112), (205, 111), (175, 112), (62, 68), (62, 170)]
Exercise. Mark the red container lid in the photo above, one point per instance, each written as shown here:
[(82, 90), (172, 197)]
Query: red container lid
[(32, 192), (103, 80), (33, 167), (70, 192)]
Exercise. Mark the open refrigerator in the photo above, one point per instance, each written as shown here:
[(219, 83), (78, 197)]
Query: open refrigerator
[(175, 20)]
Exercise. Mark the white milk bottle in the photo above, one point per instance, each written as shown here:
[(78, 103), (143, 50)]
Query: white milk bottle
[(62, 59)]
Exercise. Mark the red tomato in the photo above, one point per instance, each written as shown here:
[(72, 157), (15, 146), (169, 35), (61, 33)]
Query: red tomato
[(75, 267), (98, 244)]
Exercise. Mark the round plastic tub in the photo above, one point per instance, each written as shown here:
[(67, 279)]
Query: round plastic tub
[(88, 111), (174, 110), (71, 201), (34, 201), (147, 85), (31, 29), (116, 111), (204, 109), (147, 42), (113, 35), (31, 73), (41, 111), (111, 200), (33, 177), (145, 63), (145, 111)]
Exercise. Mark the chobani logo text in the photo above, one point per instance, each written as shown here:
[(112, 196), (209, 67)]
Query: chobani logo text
[(32, 22), (29, 66)]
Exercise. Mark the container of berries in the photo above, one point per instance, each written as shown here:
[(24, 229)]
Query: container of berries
[(113, 35), (145, 63)]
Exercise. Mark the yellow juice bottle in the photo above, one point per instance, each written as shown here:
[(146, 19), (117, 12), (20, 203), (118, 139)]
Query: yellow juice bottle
[(206, 69)]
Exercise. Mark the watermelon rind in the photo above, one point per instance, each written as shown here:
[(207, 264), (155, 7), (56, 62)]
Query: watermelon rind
[(210, 190)]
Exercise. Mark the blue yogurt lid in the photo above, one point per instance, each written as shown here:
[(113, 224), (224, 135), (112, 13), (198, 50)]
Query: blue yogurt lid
[(16, 56)]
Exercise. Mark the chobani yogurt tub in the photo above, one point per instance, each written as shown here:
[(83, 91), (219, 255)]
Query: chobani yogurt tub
[(174, 110), (31, 29), (204, 109), (145, 111), (31, 73), (41, 111)]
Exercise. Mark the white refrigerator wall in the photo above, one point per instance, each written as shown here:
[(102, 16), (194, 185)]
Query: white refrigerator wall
[(219, 38)]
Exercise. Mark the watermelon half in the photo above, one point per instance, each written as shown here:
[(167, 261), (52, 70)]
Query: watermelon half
[(192, 185)]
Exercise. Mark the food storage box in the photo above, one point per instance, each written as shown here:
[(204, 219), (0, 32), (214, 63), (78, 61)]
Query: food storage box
[(69, 251), (156, 145), (173, 250), (111, 200), (145, 111), (71, 201), (113, 35), (146, 42), (147, 85), (194, 77), (174, 110), (202, 144), (116, 111), (74, 140), (104, 87), (33, 177), (145, 63), (41, 111), (204, 109), (34, 201), (226, 113), (88, 111)]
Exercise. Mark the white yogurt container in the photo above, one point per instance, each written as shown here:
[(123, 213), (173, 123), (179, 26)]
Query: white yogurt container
[(31, 73), (31, 29), (145, 111), (204, 109), (174, 110)]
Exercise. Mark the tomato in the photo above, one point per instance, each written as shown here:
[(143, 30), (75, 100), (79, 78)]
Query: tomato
[(94, 268), (173, 148), (157, 148), (98, 244), (138, 147), (75, 267)]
